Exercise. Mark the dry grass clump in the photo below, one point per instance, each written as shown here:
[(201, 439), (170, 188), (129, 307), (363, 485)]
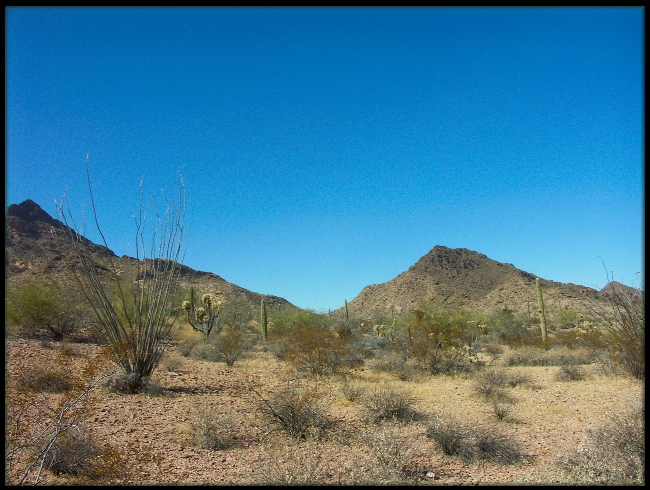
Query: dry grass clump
[(472, 443), (124, 384), (45, 378), (75, 453), (171, 363), (299, 411), (614, 453), (208, 430), (392, 456), (570, 373), (390, 403), (296, 465), (519, 378), (395, 363), (487, 383), (501, 410), (535, 356), (352, 391)]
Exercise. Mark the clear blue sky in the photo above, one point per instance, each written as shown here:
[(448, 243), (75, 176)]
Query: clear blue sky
[(326, 149)]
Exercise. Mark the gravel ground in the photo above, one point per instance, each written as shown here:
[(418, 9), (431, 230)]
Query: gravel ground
[(153, 432)]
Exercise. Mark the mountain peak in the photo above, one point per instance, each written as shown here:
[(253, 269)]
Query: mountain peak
[(30, 211)]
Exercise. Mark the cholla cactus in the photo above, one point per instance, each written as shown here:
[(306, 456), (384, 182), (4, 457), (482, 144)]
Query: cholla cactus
[(203, 318)]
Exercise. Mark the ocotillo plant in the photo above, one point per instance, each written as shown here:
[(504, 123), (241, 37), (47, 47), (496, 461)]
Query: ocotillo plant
[(264, 322), (540, 305), (204, 318)]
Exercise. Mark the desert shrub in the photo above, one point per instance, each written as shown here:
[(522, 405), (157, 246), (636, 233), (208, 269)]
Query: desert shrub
[(451, 360), (471, 443), (489, 384), (567, 317), (623, 323), (492, 446), (171, 364), (46, 377), (392, 455), (614, 453), (501, 410), (390, 403), (507, 326), (186, 346), (570, 372), (370, 347), (123, 383), (154, 388), (73, 452), (315, 350), (396, 363), (518, 378), (130, 384), (300, 465), (493, 349), (230, 345), (208, 430), (299, 411), (205, 351), (37, 306), (534, 356), (352, 391), (452, 438), (571, 339)]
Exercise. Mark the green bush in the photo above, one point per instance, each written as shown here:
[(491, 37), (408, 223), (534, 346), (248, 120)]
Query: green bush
[(37, 306), (507, 326)]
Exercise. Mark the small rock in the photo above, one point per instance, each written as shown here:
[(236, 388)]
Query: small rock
[(431, 474)]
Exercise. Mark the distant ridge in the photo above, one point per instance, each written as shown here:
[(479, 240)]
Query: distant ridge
[(36, 245), (458, 277)]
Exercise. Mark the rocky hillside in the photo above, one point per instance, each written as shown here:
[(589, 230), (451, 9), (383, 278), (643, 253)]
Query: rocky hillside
[(463, 278), (36, 245)]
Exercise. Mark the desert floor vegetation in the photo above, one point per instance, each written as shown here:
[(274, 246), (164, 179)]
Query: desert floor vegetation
[(265, 420)]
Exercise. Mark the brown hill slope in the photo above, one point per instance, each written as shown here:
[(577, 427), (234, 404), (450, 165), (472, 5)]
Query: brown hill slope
[(463, 278), (37, 246)]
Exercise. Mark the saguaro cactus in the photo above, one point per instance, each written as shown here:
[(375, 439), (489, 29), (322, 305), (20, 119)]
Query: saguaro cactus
[(264, 321), (540, 305)]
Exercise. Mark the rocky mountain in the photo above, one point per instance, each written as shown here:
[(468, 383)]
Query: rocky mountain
[(464, 278), (36, 246)]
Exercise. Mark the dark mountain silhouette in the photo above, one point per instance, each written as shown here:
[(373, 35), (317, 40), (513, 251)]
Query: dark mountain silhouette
[(37, 246)]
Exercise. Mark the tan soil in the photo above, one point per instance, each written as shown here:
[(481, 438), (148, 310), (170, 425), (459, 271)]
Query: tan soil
[(546, 421)]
